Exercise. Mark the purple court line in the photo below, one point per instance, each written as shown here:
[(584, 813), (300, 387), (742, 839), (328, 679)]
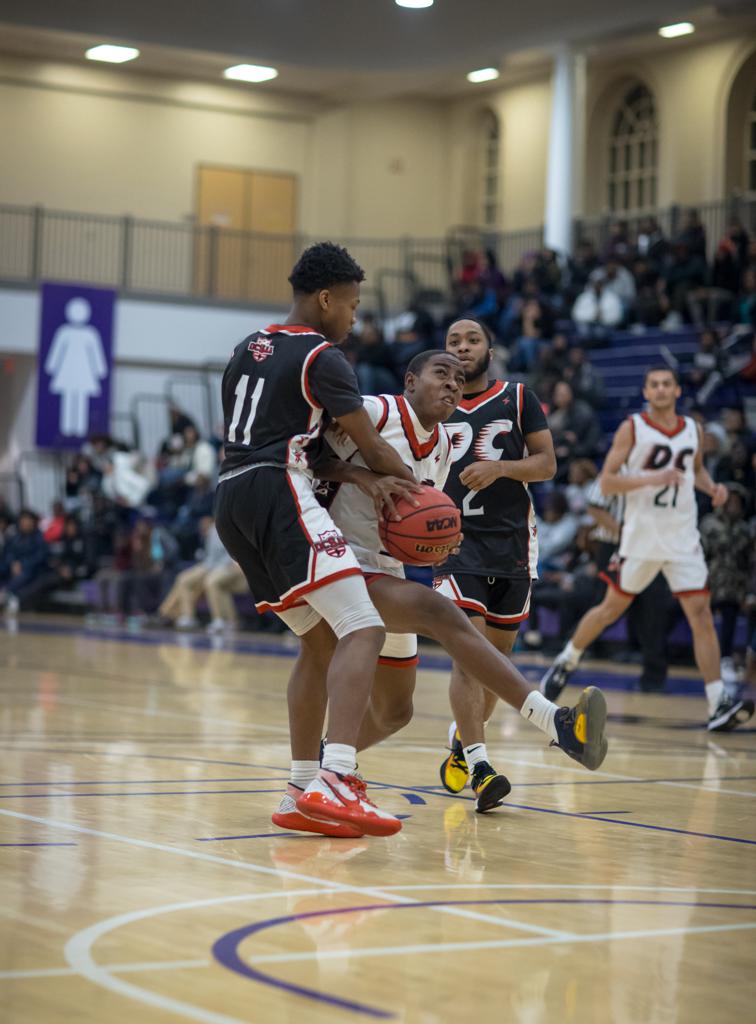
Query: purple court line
[(226, 949), (262, 835), (157, 792), (38, 844), (577, 814), (146, 782)]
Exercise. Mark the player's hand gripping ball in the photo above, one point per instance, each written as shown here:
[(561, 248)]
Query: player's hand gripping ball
[(426, 533)]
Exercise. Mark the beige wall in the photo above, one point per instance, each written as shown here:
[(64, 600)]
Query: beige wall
[(692, 86), (109, 141), (524, 111)]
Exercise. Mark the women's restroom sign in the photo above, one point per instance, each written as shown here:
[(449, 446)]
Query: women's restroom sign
[(75, 364)]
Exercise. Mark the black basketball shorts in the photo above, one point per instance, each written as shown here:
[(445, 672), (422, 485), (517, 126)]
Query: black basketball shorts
[(286, 544), (503, 602)]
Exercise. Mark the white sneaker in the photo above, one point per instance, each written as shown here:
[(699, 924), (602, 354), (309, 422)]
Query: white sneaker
[(186, 622), (221, 626), (11, 606), (728, 670)]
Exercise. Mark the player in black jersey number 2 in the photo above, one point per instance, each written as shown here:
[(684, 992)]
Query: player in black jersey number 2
[(281, 387), (500, 443)]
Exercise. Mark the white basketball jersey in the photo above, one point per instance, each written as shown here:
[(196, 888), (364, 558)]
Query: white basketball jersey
[(660, 523), (426, 453)]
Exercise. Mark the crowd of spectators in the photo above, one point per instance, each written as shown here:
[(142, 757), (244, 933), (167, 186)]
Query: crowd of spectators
[(142, 529)]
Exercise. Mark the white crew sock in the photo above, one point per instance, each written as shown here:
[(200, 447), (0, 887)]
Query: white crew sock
[(303, 772), (474, 754), (339, 757), (714, 693), (540, 712), (571, 655)]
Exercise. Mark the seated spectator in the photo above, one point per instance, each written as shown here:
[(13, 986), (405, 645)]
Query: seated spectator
[(71, 560), (414, 331), (470, 270), (372, 358), (746, 306), (684, 275), (574, 427), (493, 279), (524, 352), (111, 572), (23, 560), (586, 383), (650, 243), (82, 481), (729, 549), (581, 479), (618, 246), (693, 234), (714, 447), (216, 576), (549, 272), (617, 278), (127, 479), (597, 311), (52, 525), (579, 269), (556, 532), (734, 423), (552, 361), (737, 467), (141, 587)]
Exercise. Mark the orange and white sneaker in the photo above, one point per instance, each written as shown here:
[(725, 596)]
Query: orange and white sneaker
[(287, 816), (332, 797)]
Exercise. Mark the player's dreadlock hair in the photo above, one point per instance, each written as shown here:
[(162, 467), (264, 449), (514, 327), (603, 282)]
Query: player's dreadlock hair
[(322, 265)]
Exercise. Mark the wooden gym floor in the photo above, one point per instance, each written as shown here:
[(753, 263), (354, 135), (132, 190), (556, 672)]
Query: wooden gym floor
[(141, 878)]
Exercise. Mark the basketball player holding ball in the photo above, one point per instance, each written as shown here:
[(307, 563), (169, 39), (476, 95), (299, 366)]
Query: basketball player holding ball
[(500, 444), (410, 424)]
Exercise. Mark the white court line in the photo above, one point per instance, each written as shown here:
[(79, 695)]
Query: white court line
[(465, 947), (63, 972), (376, 893), (78, 950)]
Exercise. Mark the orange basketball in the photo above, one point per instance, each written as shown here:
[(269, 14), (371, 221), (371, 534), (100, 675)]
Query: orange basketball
[(426, 533)]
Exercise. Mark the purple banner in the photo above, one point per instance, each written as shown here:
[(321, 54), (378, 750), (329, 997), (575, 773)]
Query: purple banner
[(75, 364)]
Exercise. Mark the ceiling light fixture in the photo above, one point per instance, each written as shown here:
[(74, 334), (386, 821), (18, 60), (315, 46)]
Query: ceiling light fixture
[(250, 73), (416, 4), (112, 54), (682, 28), (483, 75)]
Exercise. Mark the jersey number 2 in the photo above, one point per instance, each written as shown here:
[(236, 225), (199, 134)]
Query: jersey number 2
[(241, 396), (466, 510)]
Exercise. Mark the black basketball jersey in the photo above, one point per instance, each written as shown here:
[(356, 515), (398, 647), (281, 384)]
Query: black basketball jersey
[(276, 389), (498, 522)]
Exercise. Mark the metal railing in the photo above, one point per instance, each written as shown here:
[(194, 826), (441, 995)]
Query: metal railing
[(42, 477), (186, 260)]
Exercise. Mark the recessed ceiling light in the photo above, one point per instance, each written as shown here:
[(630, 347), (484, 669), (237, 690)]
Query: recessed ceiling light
[(112, 54), (414, 3), (682, 28), (250, 73), (483, 75)]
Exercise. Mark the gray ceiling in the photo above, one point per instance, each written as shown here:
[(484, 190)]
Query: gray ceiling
[(351, 35)]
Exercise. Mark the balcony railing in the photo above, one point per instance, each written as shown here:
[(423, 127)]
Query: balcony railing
[(188, 261)]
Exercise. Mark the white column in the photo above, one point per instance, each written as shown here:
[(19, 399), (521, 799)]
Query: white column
[(565, 132)]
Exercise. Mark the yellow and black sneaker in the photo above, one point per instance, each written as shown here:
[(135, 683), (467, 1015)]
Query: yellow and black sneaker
[(454, 772), (581, 729), (489, 788)]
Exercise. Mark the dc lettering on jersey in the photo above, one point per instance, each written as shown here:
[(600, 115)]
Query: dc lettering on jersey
[(661, 455)]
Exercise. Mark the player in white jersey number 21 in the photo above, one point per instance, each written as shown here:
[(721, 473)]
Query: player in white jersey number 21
[(662, 457)]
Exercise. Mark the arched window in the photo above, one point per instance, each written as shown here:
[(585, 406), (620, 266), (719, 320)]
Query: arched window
[(631, 181), (491, 139), (750, 148)]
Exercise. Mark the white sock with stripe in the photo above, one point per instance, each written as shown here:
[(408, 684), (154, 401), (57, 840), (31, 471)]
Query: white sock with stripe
[(339, 757), (474, 754), (540, 712), (303, 772)]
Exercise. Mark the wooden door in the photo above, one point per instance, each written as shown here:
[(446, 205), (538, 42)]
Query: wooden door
[(250, 253)]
